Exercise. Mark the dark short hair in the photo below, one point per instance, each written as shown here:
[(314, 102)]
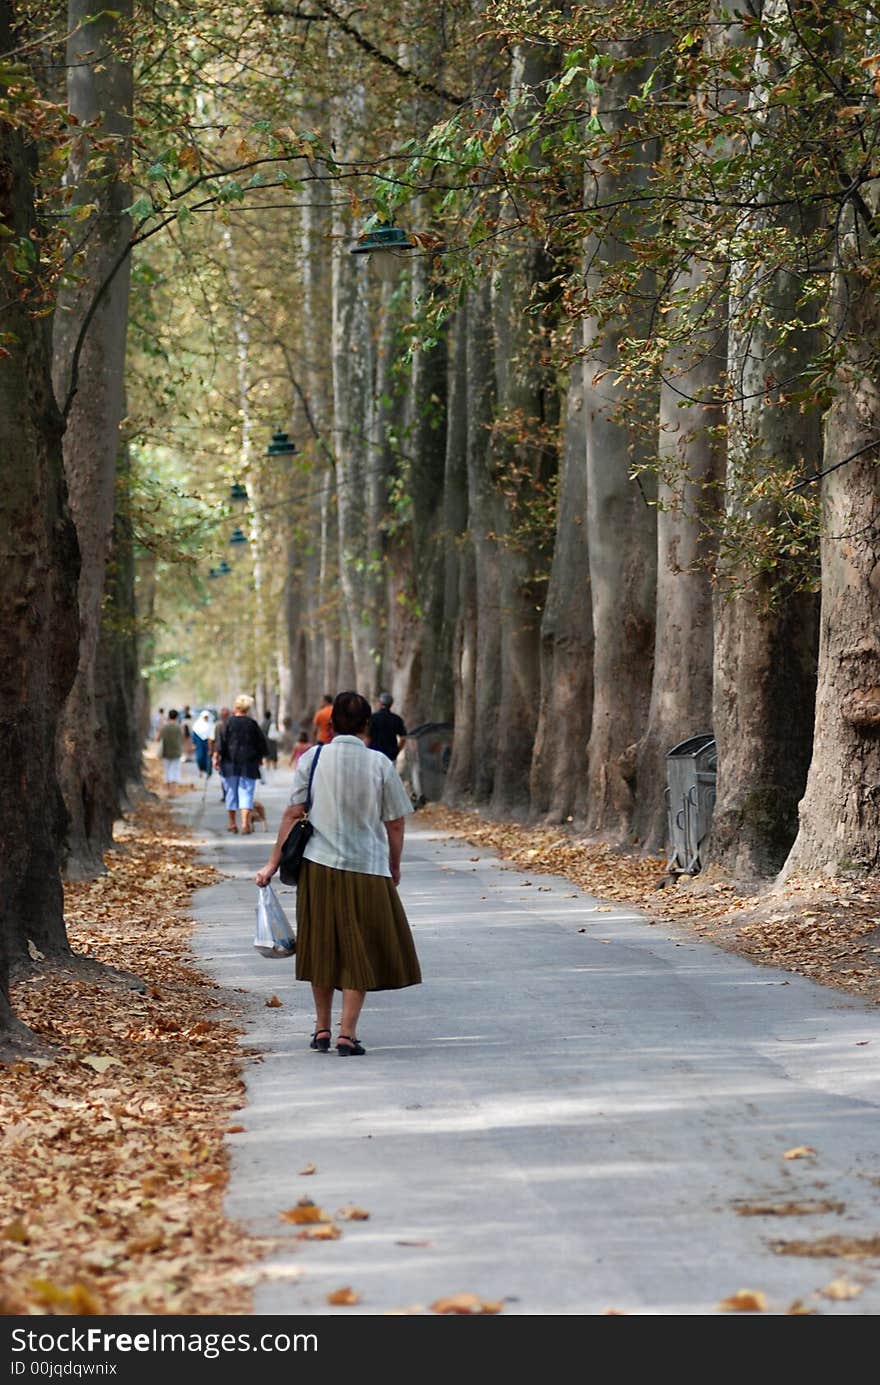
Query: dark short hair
[(351, 714), (172, 714), (328, 697)]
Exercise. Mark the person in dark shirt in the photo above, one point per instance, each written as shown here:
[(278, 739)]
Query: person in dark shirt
[(239, 748), (387, 731)]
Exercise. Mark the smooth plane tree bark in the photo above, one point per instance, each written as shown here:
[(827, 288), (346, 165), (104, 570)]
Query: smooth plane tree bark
[(765, 636), (38, 584), (352, 363), (840, 810), (523, 463), (559, 765), (691, 471), (621, 531), (100, 98)]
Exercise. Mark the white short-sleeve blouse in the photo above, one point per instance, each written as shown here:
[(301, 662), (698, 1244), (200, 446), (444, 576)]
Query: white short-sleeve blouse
[(355, 791)]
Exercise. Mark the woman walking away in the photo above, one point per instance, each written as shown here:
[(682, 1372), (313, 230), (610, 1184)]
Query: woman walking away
[(203, 735), (239, 748), (352, 932)]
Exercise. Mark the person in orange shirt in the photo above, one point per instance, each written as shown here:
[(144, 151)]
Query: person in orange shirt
[(321, 722)]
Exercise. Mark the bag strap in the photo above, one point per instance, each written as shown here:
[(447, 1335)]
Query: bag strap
[(311, 777)]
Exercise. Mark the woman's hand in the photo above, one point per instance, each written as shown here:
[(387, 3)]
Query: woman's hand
[(263, 876)]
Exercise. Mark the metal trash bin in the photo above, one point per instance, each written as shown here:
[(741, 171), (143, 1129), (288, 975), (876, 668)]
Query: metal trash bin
[(691, 773), (427, 754)]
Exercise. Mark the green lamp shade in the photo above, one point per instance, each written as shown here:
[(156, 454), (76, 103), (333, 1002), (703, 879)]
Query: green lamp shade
[(238, 492), (382, 238), (281, 446), (238, 536), (223, 569)]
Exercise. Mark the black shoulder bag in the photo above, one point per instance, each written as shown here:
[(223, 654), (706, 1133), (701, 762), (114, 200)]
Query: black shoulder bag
[(295, 841)]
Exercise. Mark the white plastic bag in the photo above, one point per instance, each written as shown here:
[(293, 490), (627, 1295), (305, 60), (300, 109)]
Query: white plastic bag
[(274, 936)]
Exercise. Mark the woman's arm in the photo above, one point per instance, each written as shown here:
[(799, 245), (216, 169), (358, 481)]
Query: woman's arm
[(292, 813), (394, 828)]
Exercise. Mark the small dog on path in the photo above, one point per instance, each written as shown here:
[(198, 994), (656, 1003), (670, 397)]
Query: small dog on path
[(259, 814)]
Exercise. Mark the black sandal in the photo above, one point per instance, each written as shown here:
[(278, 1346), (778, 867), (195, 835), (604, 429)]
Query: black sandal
[(353, 1048), (322, 1045)]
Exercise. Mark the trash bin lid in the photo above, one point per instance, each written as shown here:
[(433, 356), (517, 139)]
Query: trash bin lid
[(690, 747)]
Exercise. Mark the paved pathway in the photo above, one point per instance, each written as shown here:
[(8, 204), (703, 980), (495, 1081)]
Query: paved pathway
[(563, 1116)]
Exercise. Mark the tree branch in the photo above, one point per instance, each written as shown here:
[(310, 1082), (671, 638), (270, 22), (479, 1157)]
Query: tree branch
[(355, 34)]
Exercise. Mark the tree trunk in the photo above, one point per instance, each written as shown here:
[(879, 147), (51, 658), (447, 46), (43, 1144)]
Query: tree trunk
[(621, 530), (38, 582), (691, 468), (523, 464), (479, 645), (559, 764), (100, 99), (765, 628), (840, 811)]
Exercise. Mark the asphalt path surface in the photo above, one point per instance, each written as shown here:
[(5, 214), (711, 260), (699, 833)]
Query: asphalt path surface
[(570, 1115)]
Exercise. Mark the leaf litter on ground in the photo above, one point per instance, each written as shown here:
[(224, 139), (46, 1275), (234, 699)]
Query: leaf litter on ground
[(115, 1165)]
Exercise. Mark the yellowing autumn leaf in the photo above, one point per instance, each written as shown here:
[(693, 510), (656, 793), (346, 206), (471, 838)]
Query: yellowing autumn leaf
[(16, 1231), (464, 1303), (273, 1002), (744, 1301), (309, 1168), (101, 1064), (188, 158), (319, 1233), (841, 1288), (350, 1213), (346, 1297), (77, 1299), (799, 1152), (302, 1215)]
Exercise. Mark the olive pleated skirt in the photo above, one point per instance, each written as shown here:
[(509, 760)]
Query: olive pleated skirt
[(352, 932)]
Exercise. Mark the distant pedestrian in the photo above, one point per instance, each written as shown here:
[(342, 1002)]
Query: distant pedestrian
[(299, 748), (285, 739), (239, 750), (352, 931), (170, 743), (321, 722), (387, 731), (203, 737), (271, 732)]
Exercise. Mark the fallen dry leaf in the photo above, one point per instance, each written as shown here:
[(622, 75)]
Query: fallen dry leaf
[(799, 1152), (234, 1129), (744, 1301), (350, 1213), (309, 1168), (832, 1247), (304, 1214), (799, 1309), (100, 1063), (345, 1297), (273, 1003), (319, 1233), (841, 1288), (413, 1243), (465, 1303), (803, 1208)]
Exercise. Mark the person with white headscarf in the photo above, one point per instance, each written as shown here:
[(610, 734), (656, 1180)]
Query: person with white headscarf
[(203, 739)]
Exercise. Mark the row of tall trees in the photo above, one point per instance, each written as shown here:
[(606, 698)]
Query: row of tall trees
[(596, 471)]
